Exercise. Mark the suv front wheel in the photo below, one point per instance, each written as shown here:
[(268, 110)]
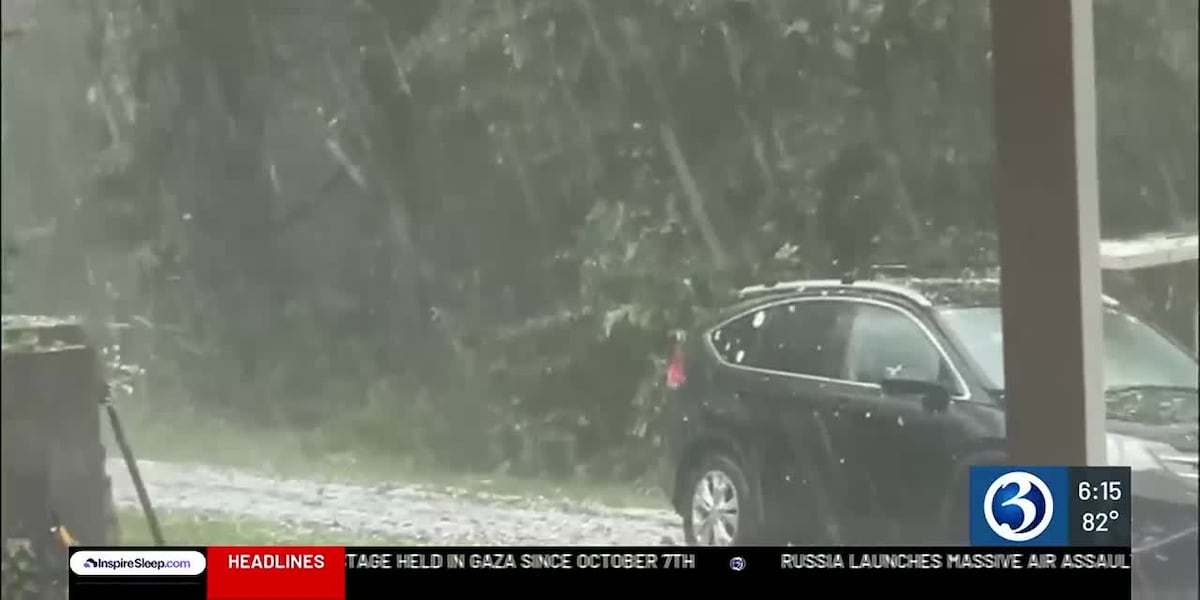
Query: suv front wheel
[(719, 510)]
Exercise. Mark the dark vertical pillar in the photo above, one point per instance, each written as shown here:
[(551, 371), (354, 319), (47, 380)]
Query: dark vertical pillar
[(1049, 230)]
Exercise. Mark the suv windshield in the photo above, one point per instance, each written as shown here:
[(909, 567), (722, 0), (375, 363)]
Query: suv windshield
[(1138, 360)]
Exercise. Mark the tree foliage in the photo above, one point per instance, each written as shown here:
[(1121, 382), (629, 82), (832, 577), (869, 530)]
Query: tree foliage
[(471, 226)]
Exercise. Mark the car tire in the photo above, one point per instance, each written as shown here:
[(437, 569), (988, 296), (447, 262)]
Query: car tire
[(720, 507)]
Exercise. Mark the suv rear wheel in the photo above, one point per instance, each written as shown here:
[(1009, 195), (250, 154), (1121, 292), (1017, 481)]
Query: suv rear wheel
[(720, 510)]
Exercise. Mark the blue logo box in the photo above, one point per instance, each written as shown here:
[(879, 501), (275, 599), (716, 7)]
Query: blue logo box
[(1019, 506)]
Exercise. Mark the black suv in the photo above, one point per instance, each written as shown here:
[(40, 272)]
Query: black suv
[(831, 411)]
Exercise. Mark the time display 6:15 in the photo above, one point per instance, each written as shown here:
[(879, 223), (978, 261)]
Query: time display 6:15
[(1105, 491), (1099, 507)]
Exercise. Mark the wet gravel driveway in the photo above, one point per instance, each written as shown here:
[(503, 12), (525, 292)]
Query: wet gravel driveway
[(411, 513)]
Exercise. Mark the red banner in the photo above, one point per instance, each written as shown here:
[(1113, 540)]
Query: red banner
[(276, 573)]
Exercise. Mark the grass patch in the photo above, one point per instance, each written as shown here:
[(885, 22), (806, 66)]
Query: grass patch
[(194, 438), (191, 529)]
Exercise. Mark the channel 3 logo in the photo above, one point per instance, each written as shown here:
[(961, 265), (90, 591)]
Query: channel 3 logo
[(1018, 506)]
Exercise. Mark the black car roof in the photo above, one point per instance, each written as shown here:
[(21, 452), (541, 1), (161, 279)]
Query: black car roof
[(918, 292), (926, 292), (753, 296)]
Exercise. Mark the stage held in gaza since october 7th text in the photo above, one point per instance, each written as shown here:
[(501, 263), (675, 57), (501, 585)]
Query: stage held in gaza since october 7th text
[(508, 560)]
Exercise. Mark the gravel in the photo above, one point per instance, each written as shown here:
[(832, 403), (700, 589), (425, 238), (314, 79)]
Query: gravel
[(412, 513)]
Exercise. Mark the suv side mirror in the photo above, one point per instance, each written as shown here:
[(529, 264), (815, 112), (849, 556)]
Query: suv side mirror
[(934, 396)]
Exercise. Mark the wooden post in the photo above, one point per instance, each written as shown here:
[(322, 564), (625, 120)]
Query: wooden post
[(1049, 230)]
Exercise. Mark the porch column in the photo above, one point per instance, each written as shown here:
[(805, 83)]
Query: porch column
[(1048, 216)]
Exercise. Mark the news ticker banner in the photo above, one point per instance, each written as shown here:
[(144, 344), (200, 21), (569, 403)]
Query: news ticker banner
[(336, 573), (1050, 506)]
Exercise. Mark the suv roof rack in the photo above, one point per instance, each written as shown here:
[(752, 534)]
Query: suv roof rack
[(907, 292), (803, 284)]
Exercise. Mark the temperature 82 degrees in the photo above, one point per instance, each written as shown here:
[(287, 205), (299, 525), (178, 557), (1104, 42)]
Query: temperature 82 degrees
[(1100, 507)]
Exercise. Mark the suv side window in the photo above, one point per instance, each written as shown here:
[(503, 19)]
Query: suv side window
[(802, 337), (885, 343), (796, 337)]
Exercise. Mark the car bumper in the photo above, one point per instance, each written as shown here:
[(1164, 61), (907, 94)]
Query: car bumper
[(671, 462), (666, 479), (677, 435)]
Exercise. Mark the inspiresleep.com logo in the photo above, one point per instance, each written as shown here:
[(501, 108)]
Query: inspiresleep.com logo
[(137, 562), (1019, 506)]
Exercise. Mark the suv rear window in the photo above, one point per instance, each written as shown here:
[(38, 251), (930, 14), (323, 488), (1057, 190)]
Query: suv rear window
[(737, 341), (796, 337)]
